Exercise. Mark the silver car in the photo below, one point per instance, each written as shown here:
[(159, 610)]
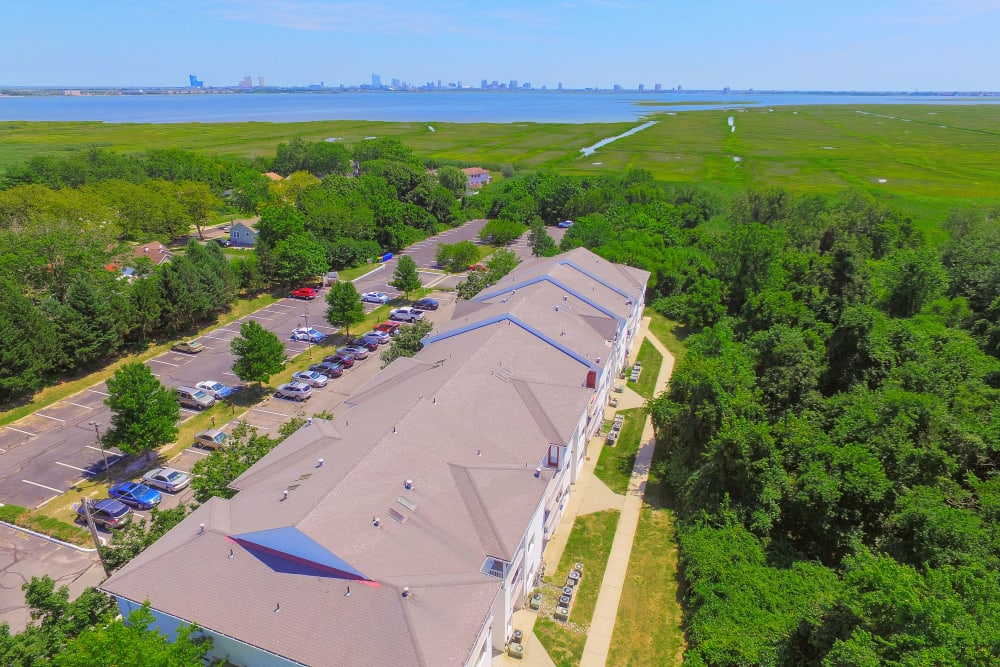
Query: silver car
[(166, 479), (311, 378), (297, 391)]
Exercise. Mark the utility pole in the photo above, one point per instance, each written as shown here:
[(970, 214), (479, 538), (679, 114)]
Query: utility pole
[(85, 503)]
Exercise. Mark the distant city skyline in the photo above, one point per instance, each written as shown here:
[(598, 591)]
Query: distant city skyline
[(925, 45)]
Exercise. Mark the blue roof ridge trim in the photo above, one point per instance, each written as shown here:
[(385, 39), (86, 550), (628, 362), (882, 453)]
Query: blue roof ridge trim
[(560, 285), (571, 263), (510, 318)]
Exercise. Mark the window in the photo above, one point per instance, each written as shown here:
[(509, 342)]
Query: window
[(553, 459)]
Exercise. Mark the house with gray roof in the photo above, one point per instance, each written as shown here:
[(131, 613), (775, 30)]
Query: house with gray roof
[(409, 528)]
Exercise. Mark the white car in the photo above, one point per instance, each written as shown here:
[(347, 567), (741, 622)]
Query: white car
[(406, 314), (311, 378), (375, 297), (310, 334), (297, 391), (216, 390)]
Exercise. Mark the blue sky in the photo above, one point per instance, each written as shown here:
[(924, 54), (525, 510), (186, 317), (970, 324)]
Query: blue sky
[(707, 44)]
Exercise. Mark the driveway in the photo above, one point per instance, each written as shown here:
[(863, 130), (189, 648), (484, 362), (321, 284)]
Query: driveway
[(23, 556)]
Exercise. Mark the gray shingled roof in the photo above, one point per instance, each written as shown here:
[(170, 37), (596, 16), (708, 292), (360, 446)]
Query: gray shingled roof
[(467, 419)]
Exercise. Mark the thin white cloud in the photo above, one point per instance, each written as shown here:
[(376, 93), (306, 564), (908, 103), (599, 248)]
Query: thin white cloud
[(946, 12)]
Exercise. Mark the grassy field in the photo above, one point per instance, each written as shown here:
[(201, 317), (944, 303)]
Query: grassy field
[(651, 359), (669, 332), (589, 543), (922, 159), (614, 467)]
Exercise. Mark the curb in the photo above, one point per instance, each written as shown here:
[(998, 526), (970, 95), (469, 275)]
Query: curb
[(49, 538), (378, 268)]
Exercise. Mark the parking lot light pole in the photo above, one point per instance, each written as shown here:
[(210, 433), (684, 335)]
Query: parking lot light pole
[(309, 346), (100, 442)]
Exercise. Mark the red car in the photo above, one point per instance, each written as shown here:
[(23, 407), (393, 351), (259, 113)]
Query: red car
[(344, 360), (304, 293), (478, 266), (390, 327)]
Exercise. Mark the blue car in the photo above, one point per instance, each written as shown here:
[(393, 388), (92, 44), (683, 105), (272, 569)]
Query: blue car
[(135, 495), (217, 390)]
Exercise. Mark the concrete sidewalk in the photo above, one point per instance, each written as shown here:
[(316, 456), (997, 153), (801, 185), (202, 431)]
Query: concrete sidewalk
[(589, 495), (602, 625)]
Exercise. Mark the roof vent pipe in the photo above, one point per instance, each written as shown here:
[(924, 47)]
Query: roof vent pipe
[(319, 463), (538, 472), (408, 484), (284, 495), (406, 591)]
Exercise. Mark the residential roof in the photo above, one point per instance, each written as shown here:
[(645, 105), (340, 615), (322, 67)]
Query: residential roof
[(154, 250), (464, 424), (475, 171)]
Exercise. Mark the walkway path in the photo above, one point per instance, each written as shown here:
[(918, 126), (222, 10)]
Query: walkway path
[(590, 494), (602, 626)]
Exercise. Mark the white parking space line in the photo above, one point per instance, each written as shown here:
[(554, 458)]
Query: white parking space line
[(56, 419), (28, 481), (268, 412), (197, 451), (164, 362), (66, 465), (229, 373), (96, 449), (33, 435), (191, 412), (215, 337), (78, 405), (102, 393), (258, 317)]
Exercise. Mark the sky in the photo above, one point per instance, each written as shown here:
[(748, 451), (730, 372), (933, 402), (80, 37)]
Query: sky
[(870, 45)]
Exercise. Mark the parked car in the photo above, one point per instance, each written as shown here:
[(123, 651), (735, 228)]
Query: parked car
[(108, 512), (304, 293), (381, 336), (216, 390), (296, 391), (389, 327), (340, 359), (198, 399), (309, 334), (368, 342), (375, 297), (311, 378), (478, 266), (213, 438), (188, 347), (406, 314), (225, 243), (565, 224), (135, 495), (426, 304), (329, 370), (359, 352), (166, 479)]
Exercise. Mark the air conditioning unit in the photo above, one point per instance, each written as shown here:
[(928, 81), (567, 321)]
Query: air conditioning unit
[(516, 650), (561, 614)]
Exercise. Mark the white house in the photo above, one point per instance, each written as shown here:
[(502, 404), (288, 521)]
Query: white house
[(243, 236)]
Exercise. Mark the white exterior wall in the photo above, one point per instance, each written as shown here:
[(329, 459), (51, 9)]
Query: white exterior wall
[(234, 651)]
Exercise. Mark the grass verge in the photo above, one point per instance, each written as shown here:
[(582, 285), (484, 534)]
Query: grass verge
[(614, 467), (40, 523), (651, 360), (669, 332), (649, 624), (589, 543)]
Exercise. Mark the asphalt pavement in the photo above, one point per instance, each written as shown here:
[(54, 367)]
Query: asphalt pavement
[(48, 452)]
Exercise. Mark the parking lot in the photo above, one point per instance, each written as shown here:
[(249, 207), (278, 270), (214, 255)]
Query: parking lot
[(46, 453)]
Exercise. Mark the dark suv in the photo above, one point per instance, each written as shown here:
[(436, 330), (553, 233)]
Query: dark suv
[(328, 369), (107, 512)]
